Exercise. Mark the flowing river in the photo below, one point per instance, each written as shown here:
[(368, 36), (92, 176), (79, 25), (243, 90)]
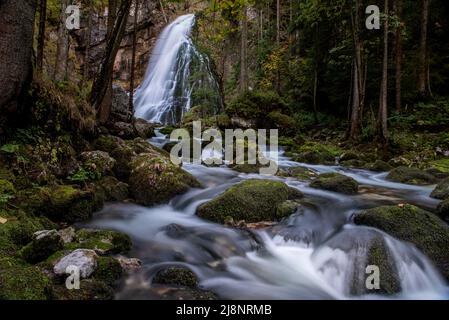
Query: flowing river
[(313, 254)]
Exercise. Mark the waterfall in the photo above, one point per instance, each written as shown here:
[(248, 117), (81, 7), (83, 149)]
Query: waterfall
[(176, 70)]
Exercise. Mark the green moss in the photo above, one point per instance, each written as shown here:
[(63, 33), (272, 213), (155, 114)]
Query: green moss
[(113, 189), (108, 270), (409, 223), (379, 166), (40, 249), (6, 187), (443, 210), (90, 289), (354, 163), (251, 200), (155, 180), (442, 165), (105, 240), (178, 276), (22, 282), (167, 130), (335, 182), (411, 176)]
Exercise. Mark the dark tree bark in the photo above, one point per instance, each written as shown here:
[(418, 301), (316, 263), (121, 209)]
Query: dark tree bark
[(41, 36), (398, 55), (112, 14), (133, 60), (62, 49), (243, 52), (88, 40), (101, 88), (16, 43), (383, 101), (358, 85), (422, 56)]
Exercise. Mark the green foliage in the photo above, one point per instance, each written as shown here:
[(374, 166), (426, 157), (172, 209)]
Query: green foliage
[(256, 104)]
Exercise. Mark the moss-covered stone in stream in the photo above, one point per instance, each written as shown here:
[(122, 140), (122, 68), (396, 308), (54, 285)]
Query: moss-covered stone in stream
[(251, 200), (335, 182), (155, 180), (42, 246), (380, 256), (19, 281), (353, 163), (108, 270), (300, 173), (379, 166), (178, 276), (103, 240), (411, 176), (408, 223), (441, 191)]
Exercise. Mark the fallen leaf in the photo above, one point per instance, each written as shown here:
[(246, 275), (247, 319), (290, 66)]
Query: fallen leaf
[(3, 220)]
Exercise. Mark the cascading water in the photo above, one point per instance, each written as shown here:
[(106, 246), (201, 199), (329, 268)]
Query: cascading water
[(176, 71), (317, 253)]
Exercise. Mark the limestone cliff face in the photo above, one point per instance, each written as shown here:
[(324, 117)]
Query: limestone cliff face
[(151, 21)]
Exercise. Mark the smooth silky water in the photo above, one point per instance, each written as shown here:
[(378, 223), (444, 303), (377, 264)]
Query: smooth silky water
[(313, 254)]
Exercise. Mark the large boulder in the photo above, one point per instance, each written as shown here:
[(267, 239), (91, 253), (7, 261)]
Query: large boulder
[(85, 260), (155, 179), (252, 201), (441, 191), (379, 166), (409, 223), (98, 161), (44, 244), (103, 241), (411, 176), (335, 182), (143, 128), (178, 276)]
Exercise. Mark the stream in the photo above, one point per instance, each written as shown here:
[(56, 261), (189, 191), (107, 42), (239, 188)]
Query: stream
[(313, 254)]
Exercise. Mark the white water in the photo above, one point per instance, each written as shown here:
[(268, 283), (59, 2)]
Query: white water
[(314, 254), (164, 96)]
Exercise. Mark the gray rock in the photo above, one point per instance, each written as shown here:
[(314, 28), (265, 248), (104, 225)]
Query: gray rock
[(98, 161), (120, 104), (144, 129), (85, 260), (129, 265), (44, 244)]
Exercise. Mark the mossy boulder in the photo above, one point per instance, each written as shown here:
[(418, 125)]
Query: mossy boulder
[(155, 180), (379, 166), (19, 281), (300, 173), (143, 128), (44, 244), (113, 189), (353, 163), (408, 223), (98, 161), (336, 182), (251, 201), (64, 203), (413, 176), (178, 276), (441, 191), (105, 241), (108, 270)]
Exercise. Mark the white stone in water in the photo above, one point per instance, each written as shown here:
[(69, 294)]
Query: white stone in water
[(83, 259)]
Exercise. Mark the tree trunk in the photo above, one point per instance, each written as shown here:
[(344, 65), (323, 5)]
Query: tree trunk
[(62, 45), (243, 53), (383, 99), (278, 22), (88, 40), (133, 60), (398, 55), (16, 43), (422, 57), (112, 14), (101, 88), (41, 36), (358, 95)]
